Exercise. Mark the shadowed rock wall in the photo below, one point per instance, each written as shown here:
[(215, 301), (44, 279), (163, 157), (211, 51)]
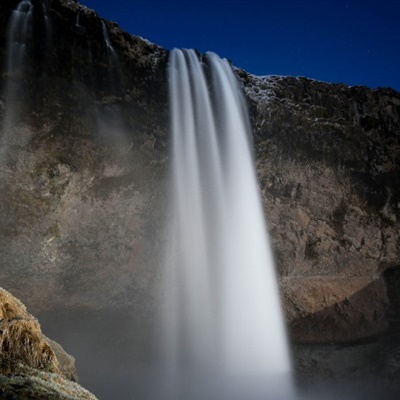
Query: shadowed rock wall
[(328, 161), (81, 175)]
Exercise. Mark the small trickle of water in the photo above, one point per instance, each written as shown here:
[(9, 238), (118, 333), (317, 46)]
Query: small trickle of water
[(107, 41), (82, 65), (225, 334), (47, 23), (18, 34), (19, 31), (78, 23), (113, 76), (109, 120)]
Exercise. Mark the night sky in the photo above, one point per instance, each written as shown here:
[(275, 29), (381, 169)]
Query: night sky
[(356, 42)]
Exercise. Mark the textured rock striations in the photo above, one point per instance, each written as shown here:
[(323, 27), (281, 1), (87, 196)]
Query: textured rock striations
[(328, 162), (31, 365), (82, 180)]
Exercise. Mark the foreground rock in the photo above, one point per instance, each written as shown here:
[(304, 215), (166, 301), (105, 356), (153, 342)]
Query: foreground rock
[(32, 366)]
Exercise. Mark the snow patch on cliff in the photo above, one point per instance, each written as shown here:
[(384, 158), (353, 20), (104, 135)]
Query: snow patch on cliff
[(258, 88)]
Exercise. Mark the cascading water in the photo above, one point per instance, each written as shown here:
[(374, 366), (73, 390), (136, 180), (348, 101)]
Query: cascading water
[(225, 335), (81, 50), (111, 58), (106, 37), (19, 31), (18, 34), (109, 118), (47, 26), (111, 54)]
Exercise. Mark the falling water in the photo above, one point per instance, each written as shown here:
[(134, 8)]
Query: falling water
[(18, 34), (78, 27), (225, 331), (111, 58), (47, 31), (107, 40), (19, 31), (82, 57)]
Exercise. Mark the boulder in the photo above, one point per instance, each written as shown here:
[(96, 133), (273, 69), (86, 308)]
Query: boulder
[(31, 365)]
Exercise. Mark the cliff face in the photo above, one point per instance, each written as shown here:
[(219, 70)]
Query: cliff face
[(328, 162), (84, 165), (82, 160)]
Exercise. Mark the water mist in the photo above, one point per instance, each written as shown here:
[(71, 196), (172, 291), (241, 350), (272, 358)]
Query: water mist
[(225, 334)]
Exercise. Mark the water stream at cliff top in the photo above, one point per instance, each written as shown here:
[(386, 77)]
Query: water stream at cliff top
[(19, 31), (111, 57), (225, 335)]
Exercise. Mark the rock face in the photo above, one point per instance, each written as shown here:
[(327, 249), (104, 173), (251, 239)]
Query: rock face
[(81, 176), (328, 162), (31, 365), (83, 179)]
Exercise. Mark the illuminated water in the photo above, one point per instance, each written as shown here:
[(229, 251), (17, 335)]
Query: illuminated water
[(109, 46), (225, 334)]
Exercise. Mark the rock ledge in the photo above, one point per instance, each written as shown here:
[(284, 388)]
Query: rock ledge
[(31, 365)]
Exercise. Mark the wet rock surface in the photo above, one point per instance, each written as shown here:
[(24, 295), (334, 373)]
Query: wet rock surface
[(81, 177)]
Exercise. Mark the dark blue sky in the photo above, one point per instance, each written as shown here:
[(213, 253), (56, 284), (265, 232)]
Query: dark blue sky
[(356, 42)]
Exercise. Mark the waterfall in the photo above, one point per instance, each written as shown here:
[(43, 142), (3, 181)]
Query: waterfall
[(78, 27), (82, 57), (18, 34), (47, 26), (224, 330), (106, 37), (19, 31), (110, 123), (110, 48), (111, 59)]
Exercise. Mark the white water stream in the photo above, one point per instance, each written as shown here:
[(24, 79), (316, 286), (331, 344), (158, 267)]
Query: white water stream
[(19, 31), (225, 335)]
